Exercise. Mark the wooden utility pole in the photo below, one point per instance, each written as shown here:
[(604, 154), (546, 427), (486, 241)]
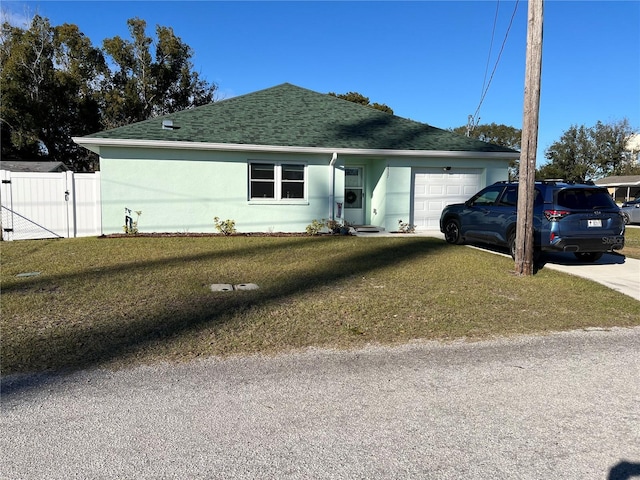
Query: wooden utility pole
[(526, 186)]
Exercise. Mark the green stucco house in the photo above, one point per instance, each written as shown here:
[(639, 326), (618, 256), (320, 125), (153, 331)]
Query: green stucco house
[(276, 159)]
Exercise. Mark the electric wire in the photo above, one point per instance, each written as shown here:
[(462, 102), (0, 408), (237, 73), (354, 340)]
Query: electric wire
[(493, 34), (504, 42)]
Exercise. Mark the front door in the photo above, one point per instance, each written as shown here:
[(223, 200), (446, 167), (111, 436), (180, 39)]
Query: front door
[(354, 195)]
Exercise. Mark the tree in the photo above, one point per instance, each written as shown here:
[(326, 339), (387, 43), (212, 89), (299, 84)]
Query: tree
[(56, 85), (588, 153), (498, 134), (362, 100), (80, 74), (148, 84), (48, 92), (26, 77), (502, 135), (613, 154)]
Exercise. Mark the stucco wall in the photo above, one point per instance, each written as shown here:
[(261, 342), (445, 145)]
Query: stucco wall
[(392, 194), (183, 190)]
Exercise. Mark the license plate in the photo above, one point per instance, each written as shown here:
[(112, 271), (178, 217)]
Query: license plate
[(594, 223)]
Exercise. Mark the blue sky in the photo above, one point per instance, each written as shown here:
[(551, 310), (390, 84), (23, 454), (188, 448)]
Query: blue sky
[(429, 61)]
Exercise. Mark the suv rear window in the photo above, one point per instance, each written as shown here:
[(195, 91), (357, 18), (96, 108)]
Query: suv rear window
[(584, 198)]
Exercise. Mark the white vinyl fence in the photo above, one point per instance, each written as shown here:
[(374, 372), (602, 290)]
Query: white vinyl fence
[(50, 205)]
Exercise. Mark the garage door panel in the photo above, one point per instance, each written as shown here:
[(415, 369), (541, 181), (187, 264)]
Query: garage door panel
[(434, 190), (420, 190), (454, 190), (435, 207)]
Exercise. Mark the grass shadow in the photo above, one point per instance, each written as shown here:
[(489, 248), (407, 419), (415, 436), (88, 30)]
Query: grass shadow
[(106, 338)]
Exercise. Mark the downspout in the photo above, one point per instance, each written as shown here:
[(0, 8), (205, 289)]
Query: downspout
[(332, 179)]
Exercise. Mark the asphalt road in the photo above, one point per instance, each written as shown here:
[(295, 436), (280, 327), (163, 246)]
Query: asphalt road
[(561, 406)]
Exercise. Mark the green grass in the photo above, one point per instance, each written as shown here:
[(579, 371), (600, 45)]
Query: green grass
[(117, 302), (631, 243)]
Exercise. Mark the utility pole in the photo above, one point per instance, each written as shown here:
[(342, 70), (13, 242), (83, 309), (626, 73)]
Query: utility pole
[(526, 186)]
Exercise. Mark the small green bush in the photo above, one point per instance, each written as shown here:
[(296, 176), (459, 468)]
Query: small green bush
[(225, 227), (314, 227)]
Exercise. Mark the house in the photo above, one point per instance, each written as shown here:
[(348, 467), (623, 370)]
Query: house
[(621, 187), (33, 166), (276, 159)]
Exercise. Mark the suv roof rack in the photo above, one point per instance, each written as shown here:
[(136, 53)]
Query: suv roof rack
[(550, 181), (584, 182)]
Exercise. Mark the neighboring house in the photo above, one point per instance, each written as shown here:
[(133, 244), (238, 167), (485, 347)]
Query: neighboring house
[(26, 166), (276, 159), (621, 187)]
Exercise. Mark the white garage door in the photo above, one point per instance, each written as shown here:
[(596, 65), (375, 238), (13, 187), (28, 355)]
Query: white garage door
[(435, 188)]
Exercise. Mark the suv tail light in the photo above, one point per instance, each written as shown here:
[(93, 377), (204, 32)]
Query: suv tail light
[(556, 215)]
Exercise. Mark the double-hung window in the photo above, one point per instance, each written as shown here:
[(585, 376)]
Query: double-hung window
[(276, 181)]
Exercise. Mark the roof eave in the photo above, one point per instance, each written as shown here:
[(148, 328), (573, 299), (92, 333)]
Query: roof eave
[(95, 143)]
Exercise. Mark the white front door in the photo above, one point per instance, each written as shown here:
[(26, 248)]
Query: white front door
[(354, 197)]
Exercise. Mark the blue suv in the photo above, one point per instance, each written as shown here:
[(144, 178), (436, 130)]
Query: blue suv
[(567, 217)]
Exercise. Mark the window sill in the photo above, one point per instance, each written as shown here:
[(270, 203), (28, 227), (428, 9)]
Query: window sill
[(278, 202)]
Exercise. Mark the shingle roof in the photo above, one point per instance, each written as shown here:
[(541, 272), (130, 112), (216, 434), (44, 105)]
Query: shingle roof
[(619, 180), (32, 166), (287, 115)]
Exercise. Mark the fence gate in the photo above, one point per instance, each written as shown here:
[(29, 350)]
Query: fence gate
[(49, 205)]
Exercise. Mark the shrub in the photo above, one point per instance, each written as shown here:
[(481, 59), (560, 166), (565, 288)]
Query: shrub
[(130, 226), (225, 227), (314, 227), (405, 227)]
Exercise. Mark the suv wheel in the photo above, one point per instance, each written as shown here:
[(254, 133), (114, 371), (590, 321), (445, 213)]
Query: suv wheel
[(588, 256), (512, 245), (626, 218), (452, 232)]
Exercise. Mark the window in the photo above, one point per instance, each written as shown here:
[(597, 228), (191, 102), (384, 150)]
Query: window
[(510, 197), (275, 181), (292, 181), (487, 196), (585, 199), (263, 180)]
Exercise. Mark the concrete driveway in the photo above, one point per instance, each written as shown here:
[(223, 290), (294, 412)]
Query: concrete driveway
[(562, 406), (612, 270)]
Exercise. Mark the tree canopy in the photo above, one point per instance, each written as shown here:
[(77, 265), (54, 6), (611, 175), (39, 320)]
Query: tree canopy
[(498, 134), (588, 153), (48, 91), (148, 84), (56, 84), (362, 100)]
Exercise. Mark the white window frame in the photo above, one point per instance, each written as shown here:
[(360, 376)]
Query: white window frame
[(278, 181)]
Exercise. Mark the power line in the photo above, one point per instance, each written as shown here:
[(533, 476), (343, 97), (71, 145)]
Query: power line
[(473, 119), (493, 33)]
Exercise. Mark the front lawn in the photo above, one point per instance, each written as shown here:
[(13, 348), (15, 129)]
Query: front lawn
[(121, 301), (631, 243)]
